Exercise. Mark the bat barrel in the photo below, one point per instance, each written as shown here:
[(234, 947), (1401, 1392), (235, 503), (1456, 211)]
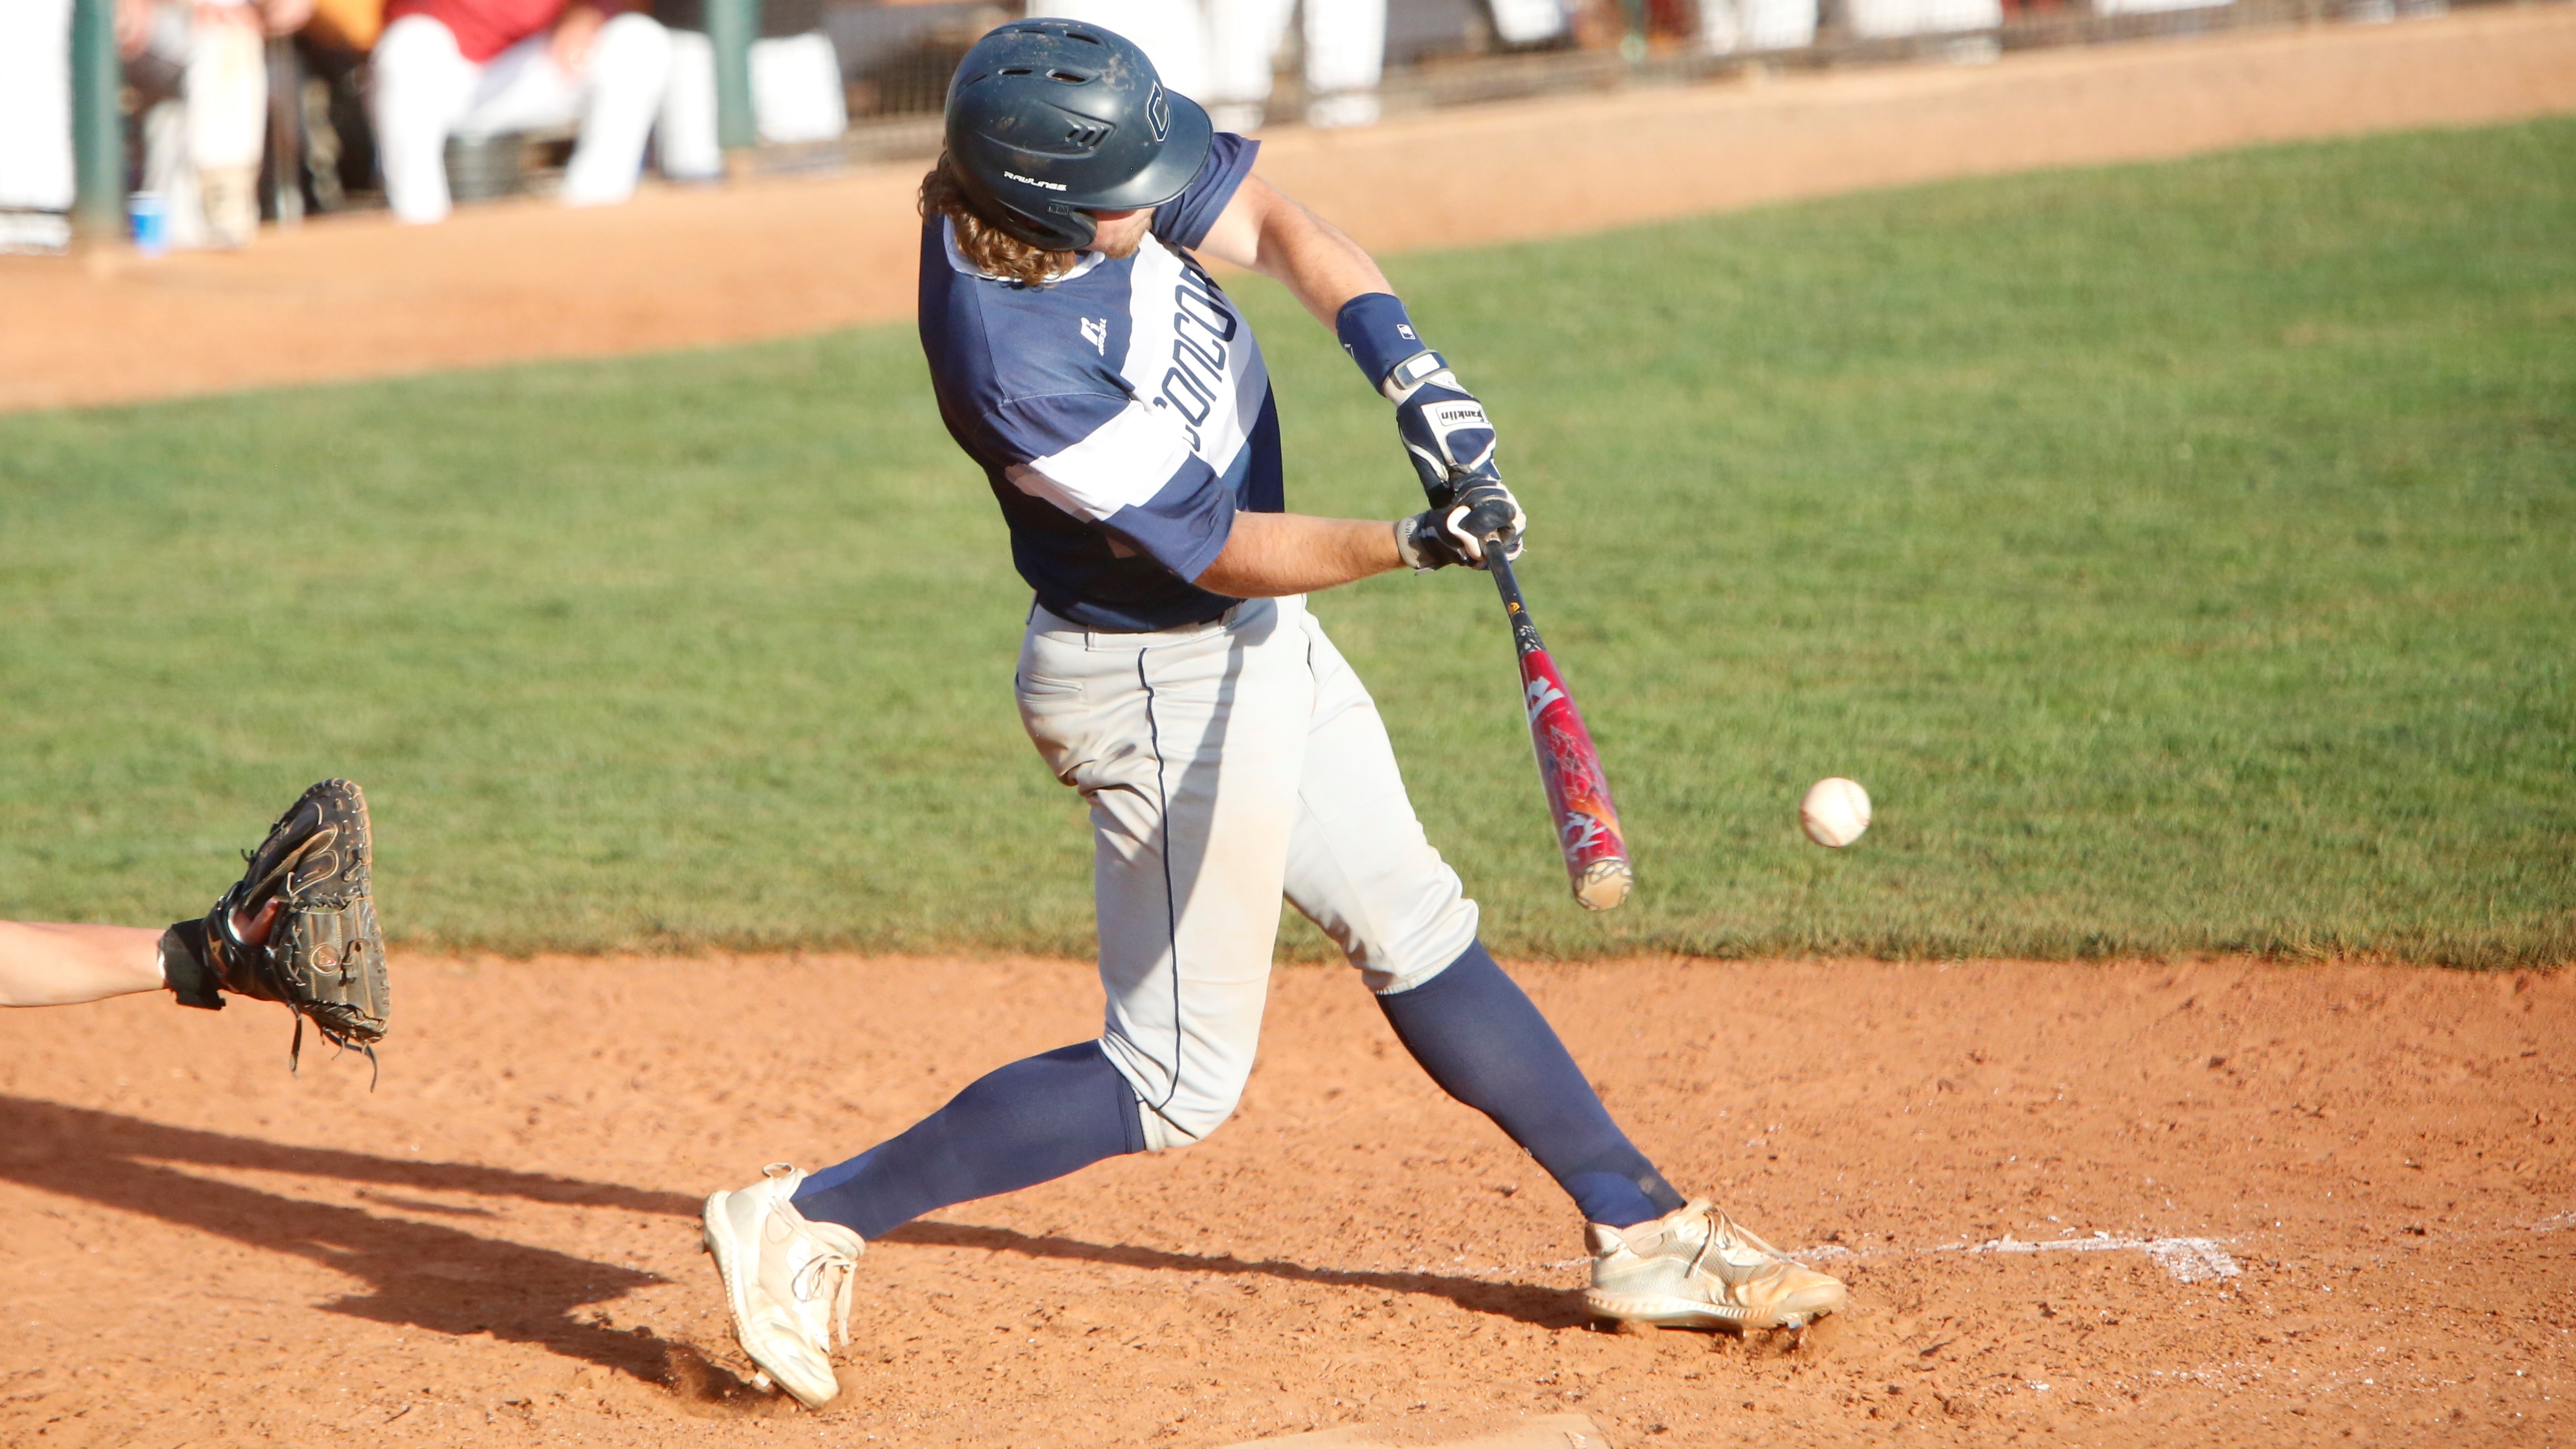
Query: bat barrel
[(1569, 769)]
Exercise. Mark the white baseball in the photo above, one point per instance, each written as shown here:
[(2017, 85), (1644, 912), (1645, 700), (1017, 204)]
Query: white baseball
[(1835, 812)]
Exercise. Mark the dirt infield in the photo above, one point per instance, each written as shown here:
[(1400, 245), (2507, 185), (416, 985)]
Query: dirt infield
[(2119, 1205), (359, 297)]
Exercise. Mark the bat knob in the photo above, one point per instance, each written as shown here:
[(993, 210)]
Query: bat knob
[(1604, 885)]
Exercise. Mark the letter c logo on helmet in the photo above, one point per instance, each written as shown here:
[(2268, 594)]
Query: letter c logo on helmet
[(1051, 120)]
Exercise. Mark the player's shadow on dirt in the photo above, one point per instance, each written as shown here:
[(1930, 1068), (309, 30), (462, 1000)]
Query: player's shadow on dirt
[(1525, 1303), (429, 1275)]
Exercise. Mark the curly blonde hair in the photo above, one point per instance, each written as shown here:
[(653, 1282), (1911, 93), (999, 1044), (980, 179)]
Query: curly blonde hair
[(993, 250)]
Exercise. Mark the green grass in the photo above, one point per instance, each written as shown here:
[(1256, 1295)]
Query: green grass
[(2184, 556)]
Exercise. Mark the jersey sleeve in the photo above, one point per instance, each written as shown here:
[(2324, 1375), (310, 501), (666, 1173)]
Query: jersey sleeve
[(1185, 220), (1123, 466)]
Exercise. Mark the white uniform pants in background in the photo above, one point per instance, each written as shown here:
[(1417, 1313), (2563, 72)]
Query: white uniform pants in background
[(1172, 33), (1886, 19), (1345, 55), (35, 110), (1525, 22), (1218, 52), (227, 126), (796, 96), (1227, 765), (426, 90), (1728, 26)]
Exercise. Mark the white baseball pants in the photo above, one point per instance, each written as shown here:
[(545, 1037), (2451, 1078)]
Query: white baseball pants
[(1229, 764), (426, 90)]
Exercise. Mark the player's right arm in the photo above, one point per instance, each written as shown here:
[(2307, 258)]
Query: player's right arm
[(1273, 555), (1128, 468), (1446, 434)]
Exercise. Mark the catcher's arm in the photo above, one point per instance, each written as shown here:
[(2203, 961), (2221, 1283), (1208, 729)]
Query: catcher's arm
[(50, 963), (45, 964)]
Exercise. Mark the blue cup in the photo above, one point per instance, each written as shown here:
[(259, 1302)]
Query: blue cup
[(150, 215)]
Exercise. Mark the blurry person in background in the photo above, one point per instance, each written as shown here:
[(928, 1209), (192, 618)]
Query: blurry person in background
[(796, 92), (1220, 51), (339, 141), (1345, 51), (200, 73), (349, 26), (479, 68)]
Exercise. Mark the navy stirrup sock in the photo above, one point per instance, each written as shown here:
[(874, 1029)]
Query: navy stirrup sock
[(1027, 1123), (1470, 1027), (1482, 1039)]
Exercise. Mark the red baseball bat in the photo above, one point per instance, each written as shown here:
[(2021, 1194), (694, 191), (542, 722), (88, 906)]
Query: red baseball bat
[(1578, 793)]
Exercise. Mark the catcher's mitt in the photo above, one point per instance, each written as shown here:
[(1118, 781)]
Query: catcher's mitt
[(323, 955)]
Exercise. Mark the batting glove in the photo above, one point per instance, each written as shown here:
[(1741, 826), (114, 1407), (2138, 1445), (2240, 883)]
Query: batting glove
[(1443, 426), (1451, 443), (1440, 536)]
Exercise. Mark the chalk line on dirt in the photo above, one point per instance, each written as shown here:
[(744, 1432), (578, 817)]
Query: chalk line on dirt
[(2187, 1260)]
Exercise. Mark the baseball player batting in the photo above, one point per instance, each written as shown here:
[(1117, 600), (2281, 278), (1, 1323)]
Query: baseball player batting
[(1172, 672)]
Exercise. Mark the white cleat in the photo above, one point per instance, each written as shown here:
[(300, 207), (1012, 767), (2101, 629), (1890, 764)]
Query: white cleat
[(787, 1281), (1695, 1267)]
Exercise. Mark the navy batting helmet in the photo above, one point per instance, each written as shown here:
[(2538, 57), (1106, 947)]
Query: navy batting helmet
[(1051, 120)]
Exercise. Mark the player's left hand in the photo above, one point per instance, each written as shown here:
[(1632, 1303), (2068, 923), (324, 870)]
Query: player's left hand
[(1444, 428)]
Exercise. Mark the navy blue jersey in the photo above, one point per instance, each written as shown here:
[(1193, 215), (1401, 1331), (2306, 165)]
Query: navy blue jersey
[(1122, 412)]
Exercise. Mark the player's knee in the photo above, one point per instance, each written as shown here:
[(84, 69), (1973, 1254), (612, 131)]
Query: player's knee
[(633, 50), (1426, 941), (1190, 1117), (410, 43), (1188, 1089)]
